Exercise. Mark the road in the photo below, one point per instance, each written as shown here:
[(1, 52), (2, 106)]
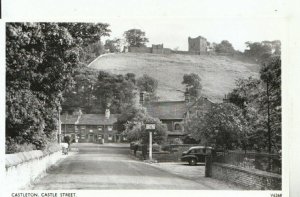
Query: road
[(110, 166)]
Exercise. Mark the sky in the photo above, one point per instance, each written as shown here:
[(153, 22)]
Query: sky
[(170, 22), (174, 32)]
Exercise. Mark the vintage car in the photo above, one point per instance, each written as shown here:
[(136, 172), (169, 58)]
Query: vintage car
[(196, 154)]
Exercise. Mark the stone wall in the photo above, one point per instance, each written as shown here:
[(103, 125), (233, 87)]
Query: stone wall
[(249, 178), (155, 49), (25, 167), (140, 49)]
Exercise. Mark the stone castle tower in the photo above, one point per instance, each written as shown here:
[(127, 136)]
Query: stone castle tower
[(197, 45)]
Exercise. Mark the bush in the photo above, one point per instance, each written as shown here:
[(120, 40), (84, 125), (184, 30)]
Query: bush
[(176, 141), (12, 146), (51, 148), (156, 148), (15, 145)]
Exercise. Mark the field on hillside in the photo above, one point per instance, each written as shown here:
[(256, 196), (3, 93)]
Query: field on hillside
[(218, 73)]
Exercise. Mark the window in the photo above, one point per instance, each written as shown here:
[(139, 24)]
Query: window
[(82, 127), (208, 151), (177, 126), (193, 151), (109, 128), (99, 128)]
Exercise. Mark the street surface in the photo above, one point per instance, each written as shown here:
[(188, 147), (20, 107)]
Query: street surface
[(110, 166)]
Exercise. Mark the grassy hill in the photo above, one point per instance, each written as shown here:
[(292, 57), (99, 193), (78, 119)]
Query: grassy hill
[(218, 73)]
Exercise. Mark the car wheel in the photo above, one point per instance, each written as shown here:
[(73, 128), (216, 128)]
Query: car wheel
[(192, 162)]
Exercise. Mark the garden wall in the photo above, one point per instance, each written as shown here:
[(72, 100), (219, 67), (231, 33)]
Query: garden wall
[(249, 178), (23, 168)]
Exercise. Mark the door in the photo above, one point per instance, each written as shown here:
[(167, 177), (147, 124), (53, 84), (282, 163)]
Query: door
[(91, 138)]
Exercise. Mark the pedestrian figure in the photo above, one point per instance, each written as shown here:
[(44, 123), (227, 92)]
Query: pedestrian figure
[(65, 147), (144, 151), (135, 148)]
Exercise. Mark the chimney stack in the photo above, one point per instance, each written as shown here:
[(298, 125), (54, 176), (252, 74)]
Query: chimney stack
[(107, 113), (142, 97), (187, 96)]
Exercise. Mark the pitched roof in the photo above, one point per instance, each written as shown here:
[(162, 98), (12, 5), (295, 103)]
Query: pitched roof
[(166, 109), (97, 119), (68, 119), (175, 133)]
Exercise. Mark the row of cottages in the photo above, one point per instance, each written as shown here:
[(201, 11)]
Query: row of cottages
[(98, 127), (90, 127), (174, 113)]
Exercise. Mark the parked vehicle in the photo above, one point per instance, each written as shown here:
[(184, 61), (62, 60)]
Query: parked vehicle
[(196, 154)]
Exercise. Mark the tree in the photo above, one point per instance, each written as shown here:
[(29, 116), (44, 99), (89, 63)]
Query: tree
[(193, 85), (135, 38), (262, 51), (81, 95), (148, 84), (260, 100), (136, 117), (114, 91), (223, 126), (270, 75), (224, 47), (113, 45), (92, 51), (41, 59)]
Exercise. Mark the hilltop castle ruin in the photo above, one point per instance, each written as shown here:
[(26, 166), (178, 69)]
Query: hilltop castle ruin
[(197, 46)]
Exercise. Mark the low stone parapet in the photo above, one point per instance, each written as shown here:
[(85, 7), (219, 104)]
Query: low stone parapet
[(250, 178), (25, 167)]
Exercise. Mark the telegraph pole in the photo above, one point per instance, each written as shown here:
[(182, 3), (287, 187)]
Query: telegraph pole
[(150, 145), (59, 126)]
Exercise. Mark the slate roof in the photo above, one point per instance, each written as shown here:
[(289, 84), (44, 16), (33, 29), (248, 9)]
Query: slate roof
[(97, 119), (68, 119), (176, 133), (166, 109)]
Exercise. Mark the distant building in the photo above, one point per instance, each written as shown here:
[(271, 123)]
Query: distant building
[(157, 48), (170, 113), (90, 127), (197, 45), (174, 113)]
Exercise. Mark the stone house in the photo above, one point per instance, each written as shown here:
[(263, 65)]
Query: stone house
[(90, 127), (174, 113), (170, 113)]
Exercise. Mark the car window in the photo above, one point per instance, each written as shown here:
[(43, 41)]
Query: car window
[(200, 151), (193, 151)]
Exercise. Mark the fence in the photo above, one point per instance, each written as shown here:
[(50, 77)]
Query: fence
[(259, 161)]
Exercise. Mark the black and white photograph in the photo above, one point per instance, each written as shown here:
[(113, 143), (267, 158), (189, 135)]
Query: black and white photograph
[(146, 95)]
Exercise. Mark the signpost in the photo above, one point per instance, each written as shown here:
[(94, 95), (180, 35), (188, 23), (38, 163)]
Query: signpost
[(150, 127)]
